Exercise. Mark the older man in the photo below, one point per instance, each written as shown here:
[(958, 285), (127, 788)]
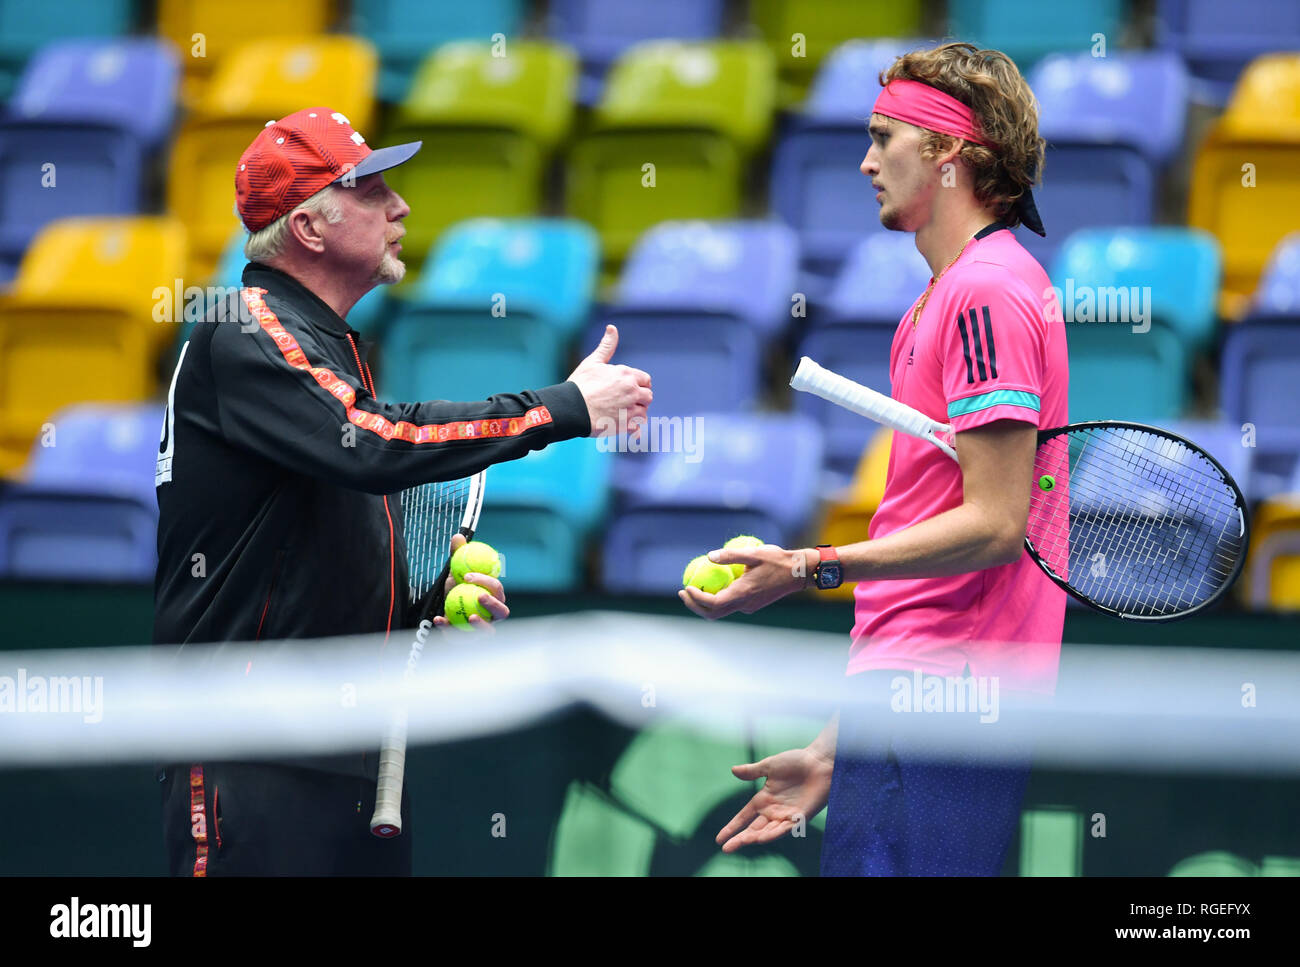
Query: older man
[(274, 473)]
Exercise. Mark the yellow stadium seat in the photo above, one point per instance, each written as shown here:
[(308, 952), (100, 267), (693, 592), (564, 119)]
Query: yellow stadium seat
[(78, 323), (1246, 176), (257, 82), (847, 519), (1272, 573), (204, 31)]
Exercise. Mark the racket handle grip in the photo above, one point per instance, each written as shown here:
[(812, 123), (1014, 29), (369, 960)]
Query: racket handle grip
[(834, 388), (387, 819)]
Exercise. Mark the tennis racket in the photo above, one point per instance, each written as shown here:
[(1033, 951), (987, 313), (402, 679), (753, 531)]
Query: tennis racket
[(1134, 521), (431, 514)]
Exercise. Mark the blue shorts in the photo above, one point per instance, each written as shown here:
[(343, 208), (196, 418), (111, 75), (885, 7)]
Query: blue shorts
[(895, 811)]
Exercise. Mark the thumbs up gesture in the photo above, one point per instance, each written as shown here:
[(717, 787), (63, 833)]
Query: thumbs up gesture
[(617, 396)]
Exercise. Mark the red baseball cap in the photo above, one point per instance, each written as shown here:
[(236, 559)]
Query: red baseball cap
[(295, 157)]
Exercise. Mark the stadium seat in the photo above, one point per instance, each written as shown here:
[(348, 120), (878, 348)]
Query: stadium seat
[(86, 509), (535, 516), (860, 352), (881, 280), (721, 475), (1278, 294), (816, 186), (26, 27), (1119, 374), (1131, 99), (490, 126), (1245, 184), (1260, 395), (85, 320), (1272, 574), (405, 31), (746, 268), (493, 311), (77, 136), (801, 33), (671, 137), (1174, 271), (600, 30), (1026, 30), (259, 81), (1217, 41), (205, 32)]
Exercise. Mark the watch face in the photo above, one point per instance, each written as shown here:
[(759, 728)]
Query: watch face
[(828, 576)]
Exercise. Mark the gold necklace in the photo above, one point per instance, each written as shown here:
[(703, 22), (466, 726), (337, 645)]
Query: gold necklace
[(925, 296)]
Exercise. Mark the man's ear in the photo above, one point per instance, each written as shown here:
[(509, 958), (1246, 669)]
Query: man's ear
[(305, 230)]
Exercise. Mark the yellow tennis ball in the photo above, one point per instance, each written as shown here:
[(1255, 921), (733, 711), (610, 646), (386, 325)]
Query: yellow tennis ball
[(704, 574), (742, 543), (462, 602), (477, 557)]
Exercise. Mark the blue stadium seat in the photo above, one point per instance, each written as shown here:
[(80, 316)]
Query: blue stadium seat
[(600, 30), (26, 27), (1128, 98), (1026, 30), (1180, 267), (882, 278), (494, 310), (538, 511), (405, 31), (1278, 294), (79, 132), (860, 352), (730, 475), (816, 186), (1218, 40), (86, 509)]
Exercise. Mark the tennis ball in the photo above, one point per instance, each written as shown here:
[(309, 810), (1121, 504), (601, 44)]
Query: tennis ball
[(462, 602), (742, 543), (1046, 482), (477, 557), (704, 574)]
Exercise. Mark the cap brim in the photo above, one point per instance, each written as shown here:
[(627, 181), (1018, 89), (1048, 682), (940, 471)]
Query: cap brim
[(381, 159)]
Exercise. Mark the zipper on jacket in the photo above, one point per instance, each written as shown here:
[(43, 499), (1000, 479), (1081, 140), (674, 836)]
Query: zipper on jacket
[(266, 607)]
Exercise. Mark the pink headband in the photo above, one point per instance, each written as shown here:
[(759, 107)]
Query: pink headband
[(926, 107)]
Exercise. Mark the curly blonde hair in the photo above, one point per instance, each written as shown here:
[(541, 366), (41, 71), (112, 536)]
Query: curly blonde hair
[(988, 82)]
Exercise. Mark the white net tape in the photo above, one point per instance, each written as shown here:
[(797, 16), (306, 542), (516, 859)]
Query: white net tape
[(1115, 707)]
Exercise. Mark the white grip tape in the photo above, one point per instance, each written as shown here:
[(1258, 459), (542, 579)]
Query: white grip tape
[(834, 388), (392, 774)]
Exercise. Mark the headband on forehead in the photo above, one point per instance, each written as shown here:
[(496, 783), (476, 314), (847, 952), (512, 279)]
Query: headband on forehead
[(932, 109), (928, 107)]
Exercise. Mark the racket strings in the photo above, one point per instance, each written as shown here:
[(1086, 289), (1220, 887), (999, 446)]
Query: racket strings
[(432, 515), (1140, 523)]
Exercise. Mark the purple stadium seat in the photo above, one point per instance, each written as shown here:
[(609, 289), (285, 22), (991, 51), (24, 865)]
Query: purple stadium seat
[(1259, 387), (736, 475), (600, 30), (1278, 293), (86, 509), (1219, 39), (882, 277)]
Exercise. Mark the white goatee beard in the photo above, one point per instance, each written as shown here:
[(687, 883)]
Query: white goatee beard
[(390, 271)]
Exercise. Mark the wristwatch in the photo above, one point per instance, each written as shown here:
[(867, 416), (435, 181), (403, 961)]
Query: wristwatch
[(828, 573)]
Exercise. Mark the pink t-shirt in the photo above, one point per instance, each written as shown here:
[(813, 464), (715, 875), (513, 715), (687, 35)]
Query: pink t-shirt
[(982, 350)]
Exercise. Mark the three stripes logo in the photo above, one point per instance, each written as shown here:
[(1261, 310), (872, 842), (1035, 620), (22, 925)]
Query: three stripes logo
[(981, 356)]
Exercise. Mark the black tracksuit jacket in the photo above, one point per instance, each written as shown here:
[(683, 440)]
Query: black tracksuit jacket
[(256, 473)]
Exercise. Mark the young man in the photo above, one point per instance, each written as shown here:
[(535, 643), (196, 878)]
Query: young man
[(945, 587), (276, 467)]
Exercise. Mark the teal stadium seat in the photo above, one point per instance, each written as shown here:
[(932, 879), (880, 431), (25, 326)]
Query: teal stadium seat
[(494, 310), (404, 31), (535, 515), (1026, 30), (25, 27)]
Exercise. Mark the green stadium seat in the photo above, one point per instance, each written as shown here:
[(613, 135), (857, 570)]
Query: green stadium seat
[(823, 25), (697, 112), (489, 125)]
